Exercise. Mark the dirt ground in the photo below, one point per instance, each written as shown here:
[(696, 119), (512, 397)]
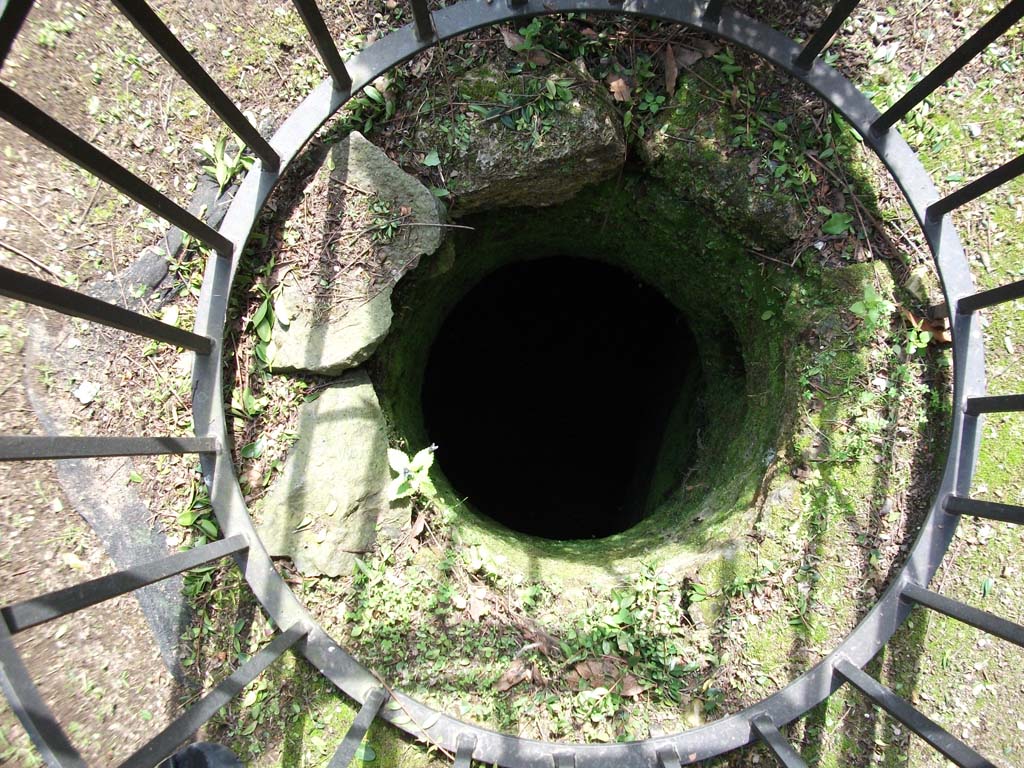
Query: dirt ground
[(100, 670)]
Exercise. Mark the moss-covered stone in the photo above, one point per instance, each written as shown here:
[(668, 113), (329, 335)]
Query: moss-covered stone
[(688, 151), (558, 147)]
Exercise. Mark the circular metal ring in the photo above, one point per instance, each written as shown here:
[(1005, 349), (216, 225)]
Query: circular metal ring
[(728, 733)]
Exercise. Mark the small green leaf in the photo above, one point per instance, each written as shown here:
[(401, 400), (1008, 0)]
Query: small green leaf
[(187, 517), (252, 407), (439, 192), (837, 224), (432, 160), (134, 477), (253, 450), (365, 753), (260, 350), (398, 460), (209, 527), (423, 460), (399, 488), (261, 313), (986, 586), (373, 93), (767, 314)]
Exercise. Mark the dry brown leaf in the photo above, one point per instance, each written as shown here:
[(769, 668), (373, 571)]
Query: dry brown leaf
[(590, 670), (546, 643), (538, 678), (589, 33), (422, 63), (631, 687), (538, 57), (517, 672), (478, 607), (938, 328), (671, 71), (513, 40), (516, 42), (687, 57), (619, 88), (601, 673), (417, 526), (706, 47)]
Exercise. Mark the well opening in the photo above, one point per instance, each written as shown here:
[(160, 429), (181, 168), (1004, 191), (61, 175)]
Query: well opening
[(561, 372)]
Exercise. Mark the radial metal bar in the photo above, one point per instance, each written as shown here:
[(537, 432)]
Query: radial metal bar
[(939, 738), (565, 760), (317, 28), (994, 404), (160, 37), (991, 297), (37, 447), (840, 12), (39, 610), (996, 26), (22, 287), (977, 188), (33, 121), (668, 757), (713, 11), (465, 745), (990, 510), (12, 15), (346, 751), (424, 24), (967, 614), (28, 706), (167, 741), (782, 749)]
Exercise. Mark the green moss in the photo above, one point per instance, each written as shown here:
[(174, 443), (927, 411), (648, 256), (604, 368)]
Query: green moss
[(691, 151), (723, 292)]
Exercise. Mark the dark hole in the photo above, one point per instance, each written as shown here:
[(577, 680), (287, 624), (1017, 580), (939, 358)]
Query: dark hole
[(548, 391)]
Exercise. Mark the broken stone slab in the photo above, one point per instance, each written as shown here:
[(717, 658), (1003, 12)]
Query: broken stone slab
[(327, 337), (324, 508), (494, 166), (327, 345)]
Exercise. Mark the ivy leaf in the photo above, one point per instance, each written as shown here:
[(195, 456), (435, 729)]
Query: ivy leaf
[(365, 753), (399, 488), (398, 460), (423, 460), (837, 224), (253, 450), (432, 160)]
